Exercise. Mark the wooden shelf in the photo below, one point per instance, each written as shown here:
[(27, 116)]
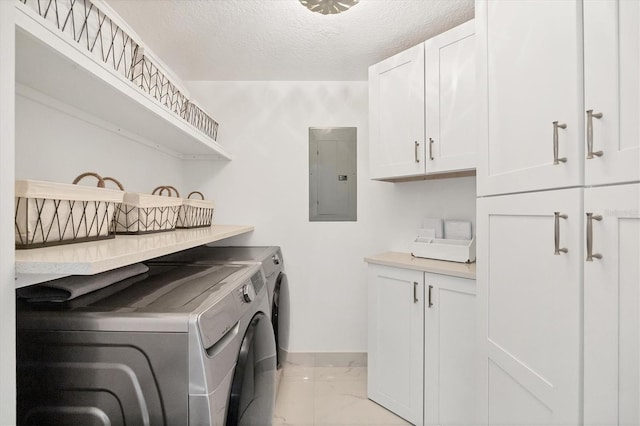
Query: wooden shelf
[(43, 264), (57, 68)]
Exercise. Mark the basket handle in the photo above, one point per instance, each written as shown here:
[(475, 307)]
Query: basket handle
[(160, 190), (195, 192), (95, 175), (171, 188), (114, 180)]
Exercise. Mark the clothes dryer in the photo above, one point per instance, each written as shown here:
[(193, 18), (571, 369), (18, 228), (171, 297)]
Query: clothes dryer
[(272, 261), (179, 345)]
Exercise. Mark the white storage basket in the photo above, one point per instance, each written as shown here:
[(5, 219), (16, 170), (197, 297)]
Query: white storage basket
[(144, 213), (49, 213), (86, 26), (195, 213), (445, 249)]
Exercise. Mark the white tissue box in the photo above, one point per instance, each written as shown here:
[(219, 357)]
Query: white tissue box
[(445, 249)]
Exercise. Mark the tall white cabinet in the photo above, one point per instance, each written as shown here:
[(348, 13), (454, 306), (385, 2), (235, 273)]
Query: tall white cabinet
[(612, 213), (558, 269)]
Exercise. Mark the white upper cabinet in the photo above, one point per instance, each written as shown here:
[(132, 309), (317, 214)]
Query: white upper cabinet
[(396, 115), (531, 91), (612, 306), (450, 85), (422, 108), (612, 91)]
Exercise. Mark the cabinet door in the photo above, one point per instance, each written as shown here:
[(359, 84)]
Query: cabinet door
[(450, 85), (396, 333), (450, 350), (396, 115), (612, 89), (529, 302), (612, 307), (529, 77)]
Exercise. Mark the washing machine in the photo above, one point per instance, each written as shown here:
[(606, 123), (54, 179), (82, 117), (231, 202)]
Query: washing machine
[(272, 261), (178, 345)]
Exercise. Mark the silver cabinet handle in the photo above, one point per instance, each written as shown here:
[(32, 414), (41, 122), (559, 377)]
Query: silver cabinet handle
[(590, 116), (416, 144), (430, 149), (430, 303), (556, 235), (590, 254), (557, 126), (415, 292)]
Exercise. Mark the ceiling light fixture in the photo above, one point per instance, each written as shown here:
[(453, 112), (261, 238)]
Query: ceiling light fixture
[(327, 7)]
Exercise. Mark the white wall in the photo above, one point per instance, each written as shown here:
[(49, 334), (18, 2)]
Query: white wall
[(265, 125), (56, 146), (7, 286)]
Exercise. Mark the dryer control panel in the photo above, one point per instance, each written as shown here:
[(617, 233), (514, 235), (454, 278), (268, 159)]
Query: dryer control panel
[(251, 288)]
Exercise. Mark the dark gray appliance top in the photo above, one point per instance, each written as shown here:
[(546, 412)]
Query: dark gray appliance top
[(270, 256), (163, 299)]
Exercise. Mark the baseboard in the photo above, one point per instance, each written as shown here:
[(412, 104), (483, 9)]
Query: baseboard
[(327, 359)]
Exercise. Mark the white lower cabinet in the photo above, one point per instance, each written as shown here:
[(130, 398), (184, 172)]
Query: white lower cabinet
[(396, 336), (612, 306), (422, 345), (450, 350), (530, 257)]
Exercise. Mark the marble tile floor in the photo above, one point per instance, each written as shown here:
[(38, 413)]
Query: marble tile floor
[(328, 395)]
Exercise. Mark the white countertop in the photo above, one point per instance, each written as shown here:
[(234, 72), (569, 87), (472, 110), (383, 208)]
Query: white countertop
[(407, 261), (43, 264)]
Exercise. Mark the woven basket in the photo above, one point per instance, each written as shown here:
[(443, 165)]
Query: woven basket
[(49, 213), (195, 213), (144, 213)]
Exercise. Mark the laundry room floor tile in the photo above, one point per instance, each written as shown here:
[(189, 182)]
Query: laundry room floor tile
[(294, 402), (298, 372), (328, 396), (340, 373), (346, 403)]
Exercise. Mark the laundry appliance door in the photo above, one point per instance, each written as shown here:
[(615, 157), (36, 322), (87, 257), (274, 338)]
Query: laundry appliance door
[(252, 396), (280, 316)]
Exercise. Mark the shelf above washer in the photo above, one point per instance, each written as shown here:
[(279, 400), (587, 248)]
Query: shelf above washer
[(57, 68), (43, 264)]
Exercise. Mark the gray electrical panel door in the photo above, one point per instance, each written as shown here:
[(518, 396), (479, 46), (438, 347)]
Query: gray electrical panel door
[(332, 174)]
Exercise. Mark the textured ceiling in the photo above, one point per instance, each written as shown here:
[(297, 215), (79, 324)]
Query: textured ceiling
[(281, 39)]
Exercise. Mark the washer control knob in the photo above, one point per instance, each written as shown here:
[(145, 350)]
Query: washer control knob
[(248, 293), (276, 259)]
